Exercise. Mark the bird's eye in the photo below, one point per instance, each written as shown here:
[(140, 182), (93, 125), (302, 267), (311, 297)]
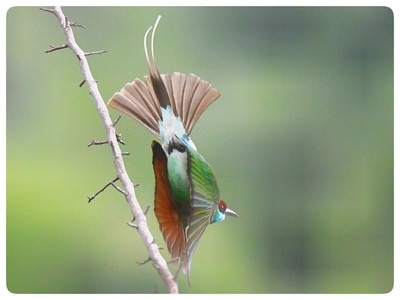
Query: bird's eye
[(222, 206)]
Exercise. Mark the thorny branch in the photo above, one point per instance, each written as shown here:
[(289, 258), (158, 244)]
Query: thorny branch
[(112, 138)]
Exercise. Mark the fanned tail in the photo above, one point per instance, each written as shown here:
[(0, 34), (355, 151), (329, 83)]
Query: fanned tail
[(187, 95)]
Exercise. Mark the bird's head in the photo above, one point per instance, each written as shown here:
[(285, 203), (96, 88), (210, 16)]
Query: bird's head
[(222, 211)]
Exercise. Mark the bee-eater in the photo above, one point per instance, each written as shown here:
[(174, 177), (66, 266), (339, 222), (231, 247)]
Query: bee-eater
[(187, 197)]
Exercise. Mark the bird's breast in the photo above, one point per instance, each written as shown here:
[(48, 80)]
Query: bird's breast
[(178, 179)]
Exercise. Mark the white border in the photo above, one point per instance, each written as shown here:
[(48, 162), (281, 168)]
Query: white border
[(6, 4)]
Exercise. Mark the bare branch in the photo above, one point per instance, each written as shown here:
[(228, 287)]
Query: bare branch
[(140, 218)]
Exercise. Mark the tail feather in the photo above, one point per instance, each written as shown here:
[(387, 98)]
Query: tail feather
[(190, 87), (135, 100), (188, 95), (147, 97), (192, 96), (155, 77), (159, 88)]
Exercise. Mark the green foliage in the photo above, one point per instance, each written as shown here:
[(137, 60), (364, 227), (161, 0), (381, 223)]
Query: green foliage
[(301, 142)]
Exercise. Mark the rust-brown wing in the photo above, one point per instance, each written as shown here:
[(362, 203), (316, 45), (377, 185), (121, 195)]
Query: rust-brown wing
[(164, 208)]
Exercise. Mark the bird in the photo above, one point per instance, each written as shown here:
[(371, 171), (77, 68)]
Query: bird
[(187, 197)]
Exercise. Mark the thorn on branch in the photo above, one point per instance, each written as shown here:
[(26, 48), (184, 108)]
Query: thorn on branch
[(143, 262), (118, 188), (119, 140), (47, 10), (147, 209), (84, 80), (132, 223), (55, 48), (95, 52), (90, 198), (96, 143), (75, 24), (118, 135), (117, 120)]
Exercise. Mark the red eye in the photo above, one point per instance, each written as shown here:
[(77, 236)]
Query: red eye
[(222, 206)]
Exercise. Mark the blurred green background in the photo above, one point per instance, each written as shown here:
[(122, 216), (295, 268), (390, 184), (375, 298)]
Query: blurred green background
[(301, 142)]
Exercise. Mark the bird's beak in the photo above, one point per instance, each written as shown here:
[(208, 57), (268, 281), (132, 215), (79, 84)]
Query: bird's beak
[(229, 212)]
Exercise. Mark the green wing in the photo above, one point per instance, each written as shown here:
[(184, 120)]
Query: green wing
[(204, 189), (204, 197)]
